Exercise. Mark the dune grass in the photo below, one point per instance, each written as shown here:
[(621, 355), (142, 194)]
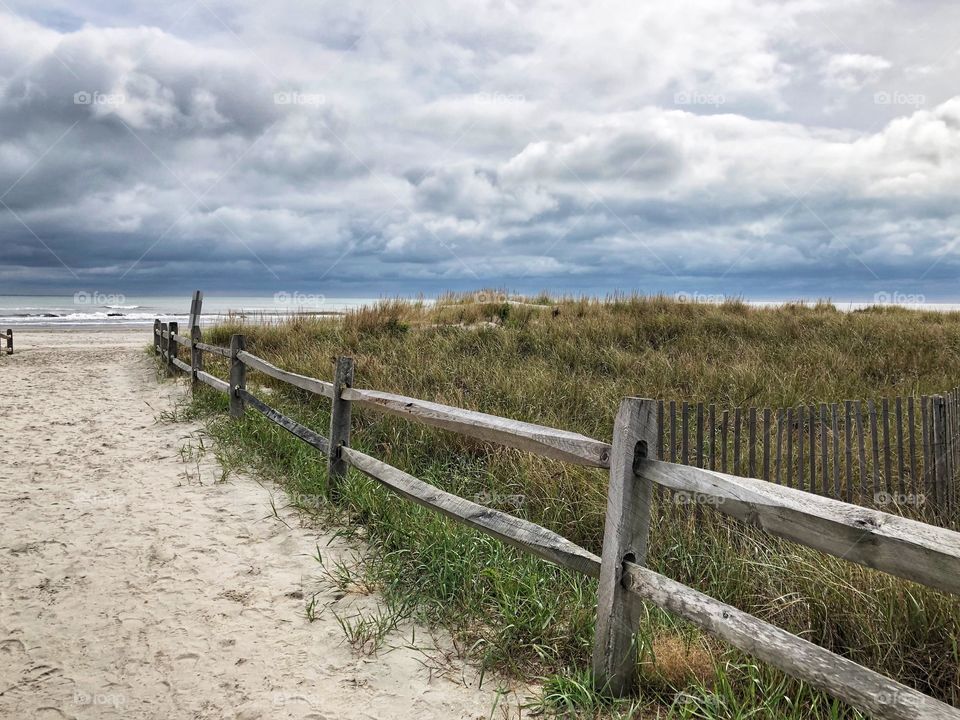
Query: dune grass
[(567, 363)]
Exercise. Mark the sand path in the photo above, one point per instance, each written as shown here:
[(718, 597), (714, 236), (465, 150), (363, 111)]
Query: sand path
[(134, 586)]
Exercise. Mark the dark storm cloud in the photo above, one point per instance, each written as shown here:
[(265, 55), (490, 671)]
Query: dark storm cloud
[(394, 147)]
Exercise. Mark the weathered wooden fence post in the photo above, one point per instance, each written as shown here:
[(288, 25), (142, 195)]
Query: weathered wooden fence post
[(339, 426), (238, 375), (196, 356), (163, 342), (196, 307), (9, 341), (156, 337), (624, 539), (172, 347)]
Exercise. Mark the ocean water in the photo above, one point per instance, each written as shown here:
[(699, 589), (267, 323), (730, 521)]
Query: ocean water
[(116, 309), (101, 309)]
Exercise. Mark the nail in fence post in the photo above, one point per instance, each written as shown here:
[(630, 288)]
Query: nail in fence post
[(625, 533), (156, 336), (238, 375), (172, 348), (196, 356), (339, 426)]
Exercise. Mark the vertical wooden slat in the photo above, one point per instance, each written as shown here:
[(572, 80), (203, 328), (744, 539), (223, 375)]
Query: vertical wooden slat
[(901, 460), (848, 442), (861, 452), (724, 433), (813, 448), (824, 450), (626, 529), (700, 434), (685, 433), (778, 474), (925, 437), (887, 453), (939, 413), (737, 422), (835, 491), (661, 450), (712, 423), (790, 447), (875, 443), (912, 444), (156, 336), (673, 431), (752, 442), (801, 421), (766, 444)]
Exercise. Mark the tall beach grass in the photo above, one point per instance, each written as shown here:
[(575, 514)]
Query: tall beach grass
[(566, 363)]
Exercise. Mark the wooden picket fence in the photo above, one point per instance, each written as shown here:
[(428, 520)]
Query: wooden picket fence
[(897, 453), (897, 545)]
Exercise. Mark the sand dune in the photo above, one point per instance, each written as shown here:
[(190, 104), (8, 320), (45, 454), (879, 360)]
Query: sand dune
[(133, 585)]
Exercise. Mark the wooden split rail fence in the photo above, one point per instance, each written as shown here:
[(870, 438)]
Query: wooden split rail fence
[(900, 546)]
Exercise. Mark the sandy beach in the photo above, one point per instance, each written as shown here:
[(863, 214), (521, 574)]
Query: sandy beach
[(133, 584)]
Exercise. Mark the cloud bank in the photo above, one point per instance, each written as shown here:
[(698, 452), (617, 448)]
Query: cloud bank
[(771, 150)]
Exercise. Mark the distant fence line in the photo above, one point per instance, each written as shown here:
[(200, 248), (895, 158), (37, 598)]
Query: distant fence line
[(897, 545), (894, 452)]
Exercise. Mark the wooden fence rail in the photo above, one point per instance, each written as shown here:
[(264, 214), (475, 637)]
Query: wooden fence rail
[(897, 545)]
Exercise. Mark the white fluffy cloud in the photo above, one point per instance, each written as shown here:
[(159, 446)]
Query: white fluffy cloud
[(766, 149)]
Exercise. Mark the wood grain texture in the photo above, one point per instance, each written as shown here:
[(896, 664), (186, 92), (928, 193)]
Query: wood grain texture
[(512, 530), (181, 365), (292, 426), (626, 527), (320, 387), (549, 442), (214, 382), (214, 349), (869, 691), (906, 548), (340, 415), (238, 375)]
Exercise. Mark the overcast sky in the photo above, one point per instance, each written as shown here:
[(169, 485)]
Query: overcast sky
[(769, 149)]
